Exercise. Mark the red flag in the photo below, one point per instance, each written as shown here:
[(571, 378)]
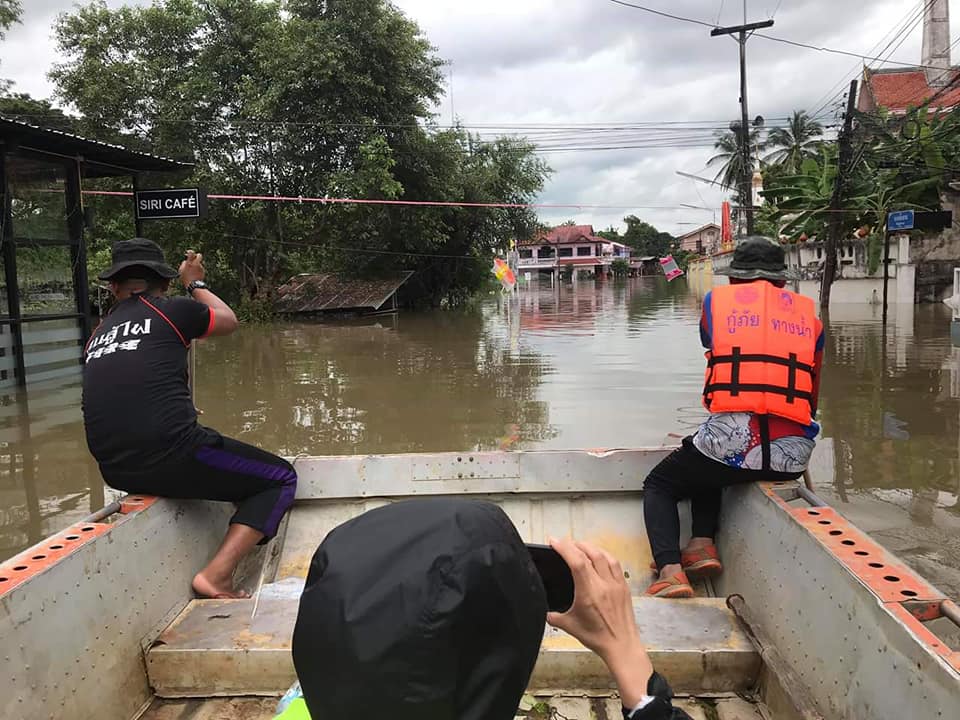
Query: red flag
[(726, 230)]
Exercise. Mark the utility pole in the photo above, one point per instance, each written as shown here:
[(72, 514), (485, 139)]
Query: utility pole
[(845, 143), (746, 176)]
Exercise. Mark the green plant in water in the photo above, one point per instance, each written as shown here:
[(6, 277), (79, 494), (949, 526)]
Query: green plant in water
[(620, 267), (254, 310), (874, 252)]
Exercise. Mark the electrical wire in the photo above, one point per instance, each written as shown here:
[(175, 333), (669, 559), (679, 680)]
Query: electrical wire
[(663, 14), (774, 38), (900, 29), (416, 203)]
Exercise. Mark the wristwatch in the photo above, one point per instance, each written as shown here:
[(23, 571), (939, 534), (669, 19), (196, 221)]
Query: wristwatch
[(197, 285)]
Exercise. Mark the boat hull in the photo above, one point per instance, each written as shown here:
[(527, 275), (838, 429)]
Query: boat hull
[(102, 625)]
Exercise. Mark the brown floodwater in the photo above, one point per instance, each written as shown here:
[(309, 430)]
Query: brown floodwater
[(582, 365)]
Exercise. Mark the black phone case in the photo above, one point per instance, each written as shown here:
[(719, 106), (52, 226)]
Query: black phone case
[(555, 575)]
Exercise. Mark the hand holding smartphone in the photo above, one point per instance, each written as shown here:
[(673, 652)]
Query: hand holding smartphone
[(556, 576)]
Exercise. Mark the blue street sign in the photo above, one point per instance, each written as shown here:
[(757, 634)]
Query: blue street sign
[(900, 220)]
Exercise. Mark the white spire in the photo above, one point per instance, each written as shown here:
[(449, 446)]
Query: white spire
[(936, 42)]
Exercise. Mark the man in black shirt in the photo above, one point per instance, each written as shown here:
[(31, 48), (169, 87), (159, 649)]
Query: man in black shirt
[(140, 420)]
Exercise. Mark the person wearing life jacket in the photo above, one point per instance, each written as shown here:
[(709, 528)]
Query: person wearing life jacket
[(764, 353), (433, 609)]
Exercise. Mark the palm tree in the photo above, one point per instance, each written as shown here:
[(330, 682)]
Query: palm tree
[(730, 156), (795, 142)]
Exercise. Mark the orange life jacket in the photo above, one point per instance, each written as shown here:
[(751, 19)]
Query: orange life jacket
[(763, 349)]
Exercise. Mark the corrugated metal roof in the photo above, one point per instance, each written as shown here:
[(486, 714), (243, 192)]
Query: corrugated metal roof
[(110, 160), (313, 293)]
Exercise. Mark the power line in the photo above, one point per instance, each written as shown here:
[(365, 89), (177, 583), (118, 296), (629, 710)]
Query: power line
[(663, 14), (773, 38), (369, 251), (416, 203), (898, 30), (545, 126)]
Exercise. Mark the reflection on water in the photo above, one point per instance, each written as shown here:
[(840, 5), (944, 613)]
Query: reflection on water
[(608, 364)]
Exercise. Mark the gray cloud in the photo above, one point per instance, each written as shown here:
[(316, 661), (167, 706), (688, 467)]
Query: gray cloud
[(563, 62)]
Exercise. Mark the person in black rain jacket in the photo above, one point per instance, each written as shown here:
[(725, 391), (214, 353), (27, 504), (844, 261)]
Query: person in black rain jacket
[(433, 610)]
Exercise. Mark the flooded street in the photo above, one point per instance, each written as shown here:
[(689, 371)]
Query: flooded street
[(583, 365)]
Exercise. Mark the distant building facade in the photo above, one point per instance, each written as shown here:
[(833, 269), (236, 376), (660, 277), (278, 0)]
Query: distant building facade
[(704, 240), (570, 245)]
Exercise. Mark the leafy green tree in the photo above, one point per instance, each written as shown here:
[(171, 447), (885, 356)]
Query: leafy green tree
[(611, 233), (794, 143), (21, 106), (307, 98), (801, 203), (9, 15), (729, 156), (645, 239)]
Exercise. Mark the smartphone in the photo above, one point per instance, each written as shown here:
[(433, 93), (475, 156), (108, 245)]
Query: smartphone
[(556, 576)]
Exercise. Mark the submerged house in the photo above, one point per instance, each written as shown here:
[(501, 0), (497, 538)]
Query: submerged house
[(328, 294), (570, 246)]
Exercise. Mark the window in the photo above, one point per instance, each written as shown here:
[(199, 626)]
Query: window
[(37, 205), (526, 254), (584, 251), (547, 252), (565, 252)]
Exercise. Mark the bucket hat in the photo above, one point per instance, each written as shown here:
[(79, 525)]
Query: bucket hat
[(758, 258), (138, 252)]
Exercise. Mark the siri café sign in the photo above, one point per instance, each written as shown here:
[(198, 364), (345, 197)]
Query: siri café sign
[(170, 204)]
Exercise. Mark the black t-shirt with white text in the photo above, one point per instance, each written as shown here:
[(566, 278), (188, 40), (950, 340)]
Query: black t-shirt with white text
[(137, 409)]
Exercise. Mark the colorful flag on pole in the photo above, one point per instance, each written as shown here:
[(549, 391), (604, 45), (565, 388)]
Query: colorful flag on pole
[(504, 274), (670, 268)]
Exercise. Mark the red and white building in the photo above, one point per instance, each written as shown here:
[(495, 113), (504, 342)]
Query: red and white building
[(573, 246)]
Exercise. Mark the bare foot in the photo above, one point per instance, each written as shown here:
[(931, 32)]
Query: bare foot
[(205, 588)]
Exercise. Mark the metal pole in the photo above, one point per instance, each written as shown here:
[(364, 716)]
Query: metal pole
[(836, 201), (886, 271), (103, 513), (811, 497), (789, 681), (137, 222), (746, 182), (747, 179)]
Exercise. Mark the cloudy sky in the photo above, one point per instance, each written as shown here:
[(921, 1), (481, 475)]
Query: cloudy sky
[(580, 71)]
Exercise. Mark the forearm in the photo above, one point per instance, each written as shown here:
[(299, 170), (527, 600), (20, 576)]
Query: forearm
[(631, 669), (224, 319), (209, 298)]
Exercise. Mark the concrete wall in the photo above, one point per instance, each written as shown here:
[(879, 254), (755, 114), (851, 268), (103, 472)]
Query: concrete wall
[(936, 255), (854, 284)]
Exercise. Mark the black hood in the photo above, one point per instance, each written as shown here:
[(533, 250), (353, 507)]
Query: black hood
[(426, 609)]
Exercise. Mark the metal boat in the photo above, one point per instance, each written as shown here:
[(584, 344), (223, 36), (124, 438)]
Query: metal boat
[(811, 618)]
